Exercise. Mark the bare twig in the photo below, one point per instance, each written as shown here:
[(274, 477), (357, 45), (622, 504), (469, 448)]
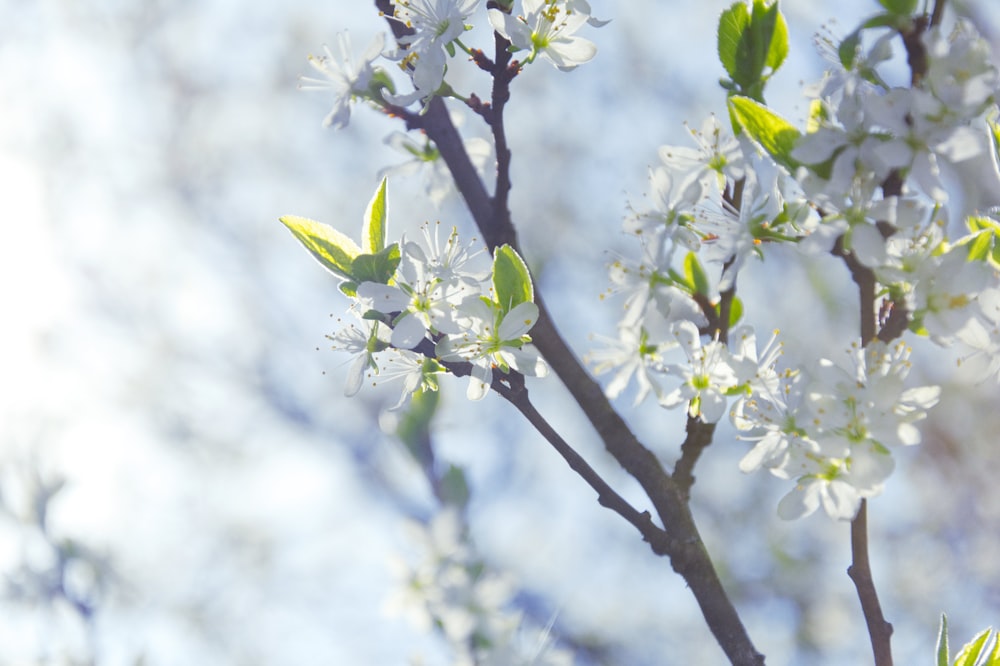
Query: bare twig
[(860, 572)]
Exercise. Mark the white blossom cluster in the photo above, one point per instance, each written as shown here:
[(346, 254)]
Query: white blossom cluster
[(545, 28), (440, 294), (829, 427), (452, 590)]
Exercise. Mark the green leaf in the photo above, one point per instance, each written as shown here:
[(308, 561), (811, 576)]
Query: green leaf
[(772, 132), (778, 48), (454, 487), (414, 427), (971, 652), (735, 312), (993, 659), (330, 247), (373, 231), (732, 24), (511, 279), (899, 7), (378, 267), (981, 246), (694, 274), (942, 642)]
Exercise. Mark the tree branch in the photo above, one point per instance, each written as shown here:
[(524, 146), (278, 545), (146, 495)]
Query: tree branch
[(879, 630), (860, 572), (688, 555), (512, 389)]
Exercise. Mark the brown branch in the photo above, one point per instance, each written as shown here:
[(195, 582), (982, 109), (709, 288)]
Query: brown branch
[(687, 552), (699, 437), (860, 572), (511, 388), (879, 630)]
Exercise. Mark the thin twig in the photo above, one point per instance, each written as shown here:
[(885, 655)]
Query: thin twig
[(516, 394), (860, 572)]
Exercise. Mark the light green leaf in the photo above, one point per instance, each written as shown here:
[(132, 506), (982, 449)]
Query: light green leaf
[(778, 47), (993, 659), (735, 312), (981, 246), (942, 642), (772, 132), (511, 279), (694, 274), (971, 652), (732, 23), (373, 231), (330, 247)]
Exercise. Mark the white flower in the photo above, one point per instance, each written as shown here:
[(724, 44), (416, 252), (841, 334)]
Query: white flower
[(945, 291), (631, 354), (670, 218), (547, 28), (729, 235), (425, 302), (415, 371), (717, 158), (867, 402), (363, 340), (436, 23), (924, 135), (344, 78), (707, 375), (982, 336), (424, 157), (959, 69), (491, 340)]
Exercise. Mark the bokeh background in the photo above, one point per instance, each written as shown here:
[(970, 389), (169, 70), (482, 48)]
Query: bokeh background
[(181, 478)]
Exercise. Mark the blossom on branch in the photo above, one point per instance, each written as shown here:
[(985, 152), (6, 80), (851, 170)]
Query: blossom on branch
[(346, 79), (547, 28)]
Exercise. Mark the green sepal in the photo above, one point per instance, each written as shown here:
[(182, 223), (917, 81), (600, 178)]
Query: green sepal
[(681, 281), (373, 230), (379, 267), (773, 133), (694, 274), (332, 249), (511, 279), (847, 52)]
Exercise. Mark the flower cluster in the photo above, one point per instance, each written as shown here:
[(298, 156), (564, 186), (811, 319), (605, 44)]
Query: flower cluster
[(433, 35), (452, 590), (868, 179), (833, 430), (422, 306)]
